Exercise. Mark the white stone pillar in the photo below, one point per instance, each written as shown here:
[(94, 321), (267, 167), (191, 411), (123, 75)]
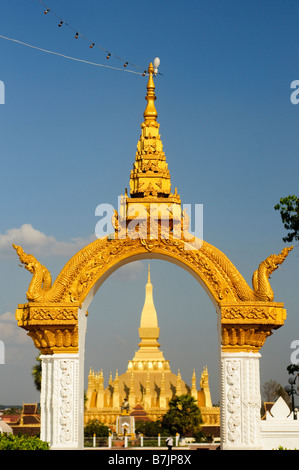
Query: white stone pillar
[(61, 401), (62, 394), (240, 401)]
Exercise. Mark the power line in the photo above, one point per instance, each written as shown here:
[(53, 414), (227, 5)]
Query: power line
[(92, 44), (69, 57)]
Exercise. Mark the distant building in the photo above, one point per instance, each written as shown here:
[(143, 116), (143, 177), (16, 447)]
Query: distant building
[(28, 422)]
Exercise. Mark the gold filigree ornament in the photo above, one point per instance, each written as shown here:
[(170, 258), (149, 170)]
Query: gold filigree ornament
[(54, 329)]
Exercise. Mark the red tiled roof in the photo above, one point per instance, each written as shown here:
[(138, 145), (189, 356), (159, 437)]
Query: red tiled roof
[(139, 414), (31, 420), (29, 408), (10, 418)]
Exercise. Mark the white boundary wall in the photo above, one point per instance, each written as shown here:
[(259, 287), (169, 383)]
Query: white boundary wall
[(280, 429)]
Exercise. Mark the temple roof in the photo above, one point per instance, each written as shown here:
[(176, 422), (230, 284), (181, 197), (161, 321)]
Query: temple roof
[(150, 177), (156, 382), (149, 369)]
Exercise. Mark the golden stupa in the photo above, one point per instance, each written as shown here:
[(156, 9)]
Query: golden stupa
[(148, 383)]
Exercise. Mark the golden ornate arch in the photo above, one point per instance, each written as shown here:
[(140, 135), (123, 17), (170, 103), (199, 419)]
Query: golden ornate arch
[(248, 314)]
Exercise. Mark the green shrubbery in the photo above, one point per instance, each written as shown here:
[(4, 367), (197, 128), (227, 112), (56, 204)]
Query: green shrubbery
[(95, 427), (11, 442)]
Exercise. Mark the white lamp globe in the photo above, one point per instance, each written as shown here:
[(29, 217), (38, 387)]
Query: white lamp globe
[(156, 64)]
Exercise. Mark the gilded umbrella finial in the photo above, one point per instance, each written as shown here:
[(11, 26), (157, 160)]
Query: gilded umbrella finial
[(150, 113)]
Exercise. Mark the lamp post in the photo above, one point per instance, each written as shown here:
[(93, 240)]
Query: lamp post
[(291, 391)]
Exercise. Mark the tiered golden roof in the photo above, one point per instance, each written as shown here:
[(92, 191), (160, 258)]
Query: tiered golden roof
[(150, 185), (150, 176)]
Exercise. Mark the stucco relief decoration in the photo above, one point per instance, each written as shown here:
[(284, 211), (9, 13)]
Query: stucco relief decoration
[(66, 407), (233, 400)]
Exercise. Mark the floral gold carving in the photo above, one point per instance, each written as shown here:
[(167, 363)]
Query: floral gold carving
[(246, 327), (240, 307), (215, 270), (52, 328)]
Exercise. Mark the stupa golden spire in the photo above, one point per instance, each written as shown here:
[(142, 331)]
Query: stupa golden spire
[(150, 187), (150, 112), (149, 357), (149, 317), (150, 176)]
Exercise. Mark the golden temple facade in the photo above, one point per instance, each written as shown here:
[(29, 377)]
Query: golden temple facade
[(148, 382)]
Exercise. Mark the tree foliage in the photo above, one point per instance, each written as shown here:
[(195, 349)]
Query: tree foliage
[(272, 390), (289, 212), (183, 416), (292, 368), (150, 428), (95, 427), (13, 410), (11, 442), (37, 374)]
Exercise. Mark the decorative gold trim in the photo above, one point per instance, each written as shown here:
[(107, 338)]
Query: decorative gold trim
[(245, 327), (54, 329), (218, 274)]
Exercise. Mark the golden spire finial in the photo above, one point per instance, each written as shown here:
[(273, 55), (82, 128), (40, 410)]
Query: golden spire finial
[(149, 274), (149, 317), (150, 113)]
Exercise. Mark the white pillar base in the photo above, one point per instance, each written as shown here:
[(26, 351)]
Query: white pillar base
[(240, 401), (61, 401)]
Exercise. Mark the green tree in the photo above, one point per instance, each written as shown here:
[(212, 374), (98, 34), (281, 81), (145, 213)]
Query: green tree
[(272, 390), (95, 427), (12, 411), (292, 368), (183, 416), (37, 374), (289, 212), (150, 428)]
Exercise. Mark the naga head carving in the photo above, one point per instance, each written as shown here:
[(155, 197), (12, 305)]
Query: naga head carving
[(273, 261), (260, 278), (29, 261), (41, 281)]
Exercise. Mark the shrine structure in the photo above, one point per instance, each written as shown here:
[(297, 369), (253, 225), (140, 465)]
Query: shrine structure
[(55, 314), (148, 383)]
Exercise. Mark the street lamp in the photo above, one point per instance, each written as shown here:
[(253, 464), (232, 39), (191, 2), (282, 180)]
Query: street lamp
[(291, 391)]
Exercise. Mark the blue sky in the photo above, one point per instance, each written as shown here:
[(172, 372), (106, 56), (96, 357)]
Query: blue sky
[(68, 140)]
